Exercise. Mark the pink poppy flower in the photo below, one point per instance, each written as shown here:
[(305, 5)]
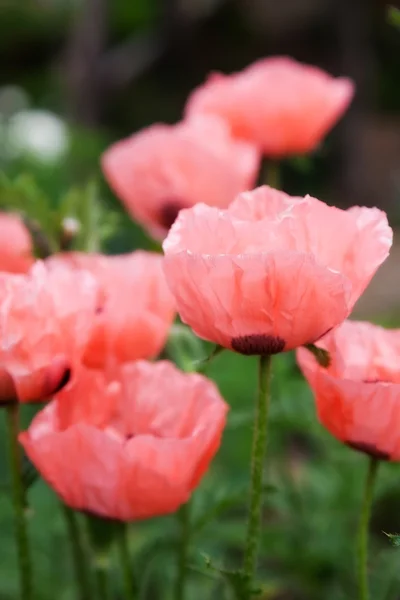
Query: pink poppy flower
[(272, 272), (138, 308), (16, 252), (164, 168), (281, 105), (358, 396), (45, 321), (145, 457)]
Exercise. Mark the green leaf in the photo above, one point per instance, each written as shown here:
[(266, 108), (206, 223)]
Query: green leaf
[(94, 223), (184, 348), (201, 365), (22, 195)]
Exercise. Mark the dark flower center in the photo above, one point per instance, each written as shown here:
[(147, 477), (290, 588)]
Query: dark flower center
[(169, 211), (369, 449), (258, 344)]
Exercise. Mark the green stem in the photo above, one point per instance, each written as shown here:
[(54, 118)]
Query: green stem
[(257, 468), (126, 564), (362, 545), (101, 573), (82, 575), (21, 533), (272, 174), (183, 548)]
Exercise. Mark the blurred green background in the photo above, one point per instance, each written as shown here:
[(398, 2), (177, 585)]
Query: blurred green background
[(76, 75)]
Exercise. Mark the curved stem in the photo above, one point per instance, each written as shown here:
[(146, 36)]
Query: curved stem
[(183, 516), (362, 544), (81, 569), (123, 546), (21, 533), (257, 467)]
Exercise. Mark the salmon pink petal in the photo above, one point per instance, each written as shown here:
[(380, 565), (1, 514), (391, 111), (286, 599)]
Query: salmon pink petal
[(196, 405), (165, 168), (44, 383), (271, 272), (82, 464), (277, 103), (137, 307), (358, 396), (311, 226), (91, 397), (257, 304), (128, 444), (45, 320), (161, 473), (16, 252)]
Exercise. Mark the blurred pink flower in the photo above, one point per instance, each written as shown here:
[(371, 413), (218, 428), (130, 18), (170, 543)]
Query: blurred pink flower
[(137, 310), (16, 252), (142, 453), (164, 168), (46, 318), (281, 105), (272, 272), (358, 396)]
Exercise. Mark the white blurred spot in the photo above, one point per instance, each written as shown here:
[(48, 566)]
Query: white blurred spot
[(39, 133)]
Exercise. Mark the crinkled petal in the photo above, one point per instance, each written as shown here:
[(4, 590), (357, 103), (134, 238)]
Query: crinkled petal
[(283, 295)]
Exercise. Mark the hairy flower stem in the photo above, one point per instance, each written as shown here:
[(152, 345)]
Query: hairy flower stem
[(183, 516), (21, 533), (126, 564), (257, 468), (82, 573), (362, 542)]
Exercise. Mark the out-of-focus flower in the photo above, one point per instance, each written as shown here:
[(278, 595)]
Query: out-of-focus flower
[(138, 307), (272, 272), (38, 133), (142, 453), (46, 317), (281, 105), (164, 168), (15, 245), (358, 395)]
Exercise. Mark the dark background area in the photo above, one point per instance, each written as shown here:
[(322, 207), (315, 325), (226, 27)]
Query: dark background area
[(112, 67)]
